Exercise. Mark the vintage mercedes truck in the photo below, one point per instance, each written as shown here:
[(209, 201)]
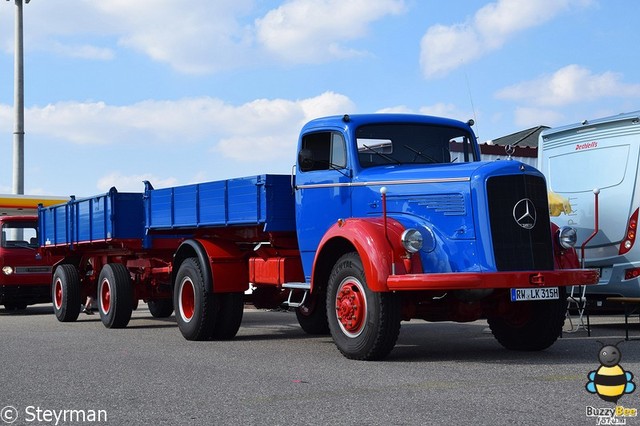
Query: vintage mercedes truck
[(388, 217)]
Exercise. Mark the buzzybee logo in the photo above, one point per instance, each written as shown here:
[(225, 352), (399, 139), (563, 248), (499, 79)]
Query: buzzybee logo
[(610, 382)]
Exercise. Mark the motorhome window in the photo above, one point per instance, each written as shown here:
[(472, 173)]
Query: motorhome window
[(323, 151), (402, 143), (461, 150), (19, 234)]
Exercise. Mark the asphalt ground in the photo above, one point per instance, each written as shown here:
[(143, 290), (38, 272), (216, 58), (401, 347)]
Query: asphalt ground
[(273, 373)]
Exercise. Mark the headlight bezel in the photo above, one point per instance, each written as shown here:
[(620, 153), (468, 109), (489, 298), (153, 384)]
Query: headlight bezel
[(412, 240), (567, 237)]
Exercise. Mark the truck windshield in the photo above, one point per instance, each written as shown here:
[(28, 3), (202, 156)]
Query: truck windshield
[(402, 143), (19, 234)]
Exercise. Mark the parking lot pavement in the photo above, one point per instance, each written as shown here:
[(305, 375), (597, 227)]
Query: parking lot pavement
[(273, 373)]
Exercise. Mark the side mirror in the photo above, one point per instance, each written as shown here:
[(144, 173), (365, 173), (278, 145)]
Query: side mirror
[(305, 160)]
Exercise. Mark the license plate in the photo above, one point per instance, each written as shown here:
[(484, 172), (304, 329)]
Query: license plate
[(524, 294)]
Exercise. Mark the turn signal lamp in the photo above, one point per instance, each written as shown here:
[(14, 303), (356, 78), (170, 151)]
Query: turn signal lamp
[(630, 236), (632, 273)]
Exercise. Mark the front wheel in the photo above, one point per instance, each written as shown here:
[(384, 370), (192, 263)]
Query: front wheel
[(364, 324), (65, 293), (530, 326), (115, 295)]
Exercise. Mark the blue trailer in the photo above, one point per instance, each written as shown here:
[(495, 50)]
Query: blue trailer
[(378, 225)]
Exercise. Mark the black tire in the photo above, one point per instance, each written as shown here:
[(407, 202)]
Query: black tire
[(229, 315), (115, 295), (65, 293), (194, 305), (162, 308), (370, 330), (530, 326), (312, 315)]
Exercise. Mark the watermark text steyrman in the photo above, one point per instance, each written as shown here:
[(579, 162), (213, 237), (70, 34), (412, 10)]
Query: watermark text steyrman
[(37, 414)]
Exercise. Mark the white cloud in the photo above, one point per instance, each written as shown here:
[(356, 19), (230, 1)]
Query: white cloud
[(531, 117), (202, 37), (84, 51), (262, 127), (312, 31), (570, 85), (444, 48), (132, 183), (192, 37), (439, 109)]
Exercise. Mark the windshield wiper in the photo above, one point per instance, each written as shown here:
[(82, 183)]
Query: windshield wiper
[(423, 155), (386, 157)]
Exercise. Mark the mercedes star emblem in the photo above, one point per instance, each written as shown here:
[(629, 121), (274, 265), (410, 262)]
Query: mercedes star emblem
[(524, 213)]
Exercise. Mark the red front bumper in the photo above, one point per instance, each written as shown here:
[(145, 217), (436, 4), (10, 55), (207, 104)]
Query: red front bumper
[(479, 280)]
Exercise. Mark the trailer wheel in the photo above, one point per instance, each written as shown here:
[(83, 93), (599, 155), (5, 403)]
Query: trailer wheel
[(195, 310), (364, 324), (65, 293), (15, 306), (115, 295), (530, 326), (312, 316), (229, 315), (162, 308)]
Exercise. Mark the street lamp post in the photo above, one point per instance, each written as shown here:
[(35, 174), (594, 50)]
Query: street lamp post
[(18, 104)]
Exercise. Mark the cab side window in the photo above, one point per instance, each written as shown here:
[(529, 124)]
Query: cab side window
[(322, 151)]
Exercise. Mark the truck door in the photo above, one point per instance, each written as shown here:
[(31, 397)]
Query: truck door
[(322, 190)]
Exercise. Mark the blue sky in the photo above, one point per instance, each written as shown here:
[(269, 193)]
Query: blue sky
[(177, 91)]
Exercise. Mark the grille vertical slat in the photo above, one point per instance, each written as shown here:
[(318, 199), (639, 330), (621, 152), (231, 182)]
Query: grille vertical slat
[(515, 247)]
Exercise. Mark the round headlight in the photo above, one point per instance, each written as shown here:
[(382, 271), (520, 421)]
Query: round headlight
[(411, 240), (7, 270), (567, 237)]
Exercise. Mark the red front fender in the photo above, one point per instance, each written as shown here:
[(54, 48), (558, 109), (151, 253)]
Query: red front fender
[(377, 252)]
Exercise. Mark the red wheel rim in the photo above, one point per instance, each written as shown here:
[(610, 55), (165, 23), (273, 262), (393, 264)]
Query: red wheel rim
[(105, 296), (57, 294), (351, 307), (187, 299)]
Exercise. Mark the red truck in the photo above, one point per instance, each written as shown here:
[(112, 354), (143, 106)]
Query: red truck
[(25, 273)]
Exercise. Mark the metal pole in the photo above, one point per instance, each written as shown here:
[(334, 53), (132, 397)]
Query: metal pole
[(18, 105)]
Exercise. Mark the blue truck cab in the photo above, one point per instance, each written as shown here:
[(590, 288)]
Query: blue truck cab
[(396, 213)]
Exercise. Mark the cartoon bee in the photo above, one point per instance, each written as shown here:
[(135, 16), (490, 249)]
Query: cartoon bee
[(610, 381)]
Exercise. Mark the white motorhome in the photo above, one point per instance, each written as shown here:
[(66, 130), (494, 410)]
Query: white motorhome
[(599, 154)]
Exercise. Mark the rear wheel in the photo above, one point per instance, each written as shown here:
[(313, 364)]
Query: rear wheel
[(115, 295), (530, 326), (312, 315), (162, 308), (195, 310), (229, 315), (364, 324), (65, 293)]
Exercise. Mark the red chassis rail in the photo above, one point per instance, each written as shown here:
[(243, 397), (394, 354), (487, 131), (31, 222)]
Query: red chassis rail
[(481, 280)]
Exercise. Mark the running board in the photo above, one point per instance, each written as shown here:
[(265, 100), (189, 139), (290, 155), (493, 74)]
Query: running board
[(305, 287)]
